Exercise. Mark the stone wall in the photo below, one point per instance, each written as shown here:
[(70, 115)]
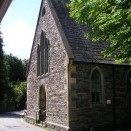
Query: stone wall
[(2, 106), (6, 106), (86, 116), (55, 81)]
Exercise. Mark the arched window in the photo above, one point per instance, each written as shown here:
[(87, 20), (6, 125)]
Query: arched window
[(96, 87), (43, 54), (43, 11), (129, 84), (38, 61)]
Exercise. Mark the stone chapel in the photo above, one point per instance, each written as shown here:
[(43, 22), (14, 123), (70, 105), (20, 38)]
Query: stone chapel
[(70, 85)]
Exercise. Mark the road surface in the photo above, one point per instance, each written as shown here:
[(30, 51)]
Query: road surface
[(12, 121)]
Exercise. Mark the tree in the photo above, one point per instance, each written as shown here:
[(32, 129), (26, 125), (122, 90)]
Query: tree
[(12, 79), (16, 74), (110, 21), (15, 68), (19, 95), (3, 78)]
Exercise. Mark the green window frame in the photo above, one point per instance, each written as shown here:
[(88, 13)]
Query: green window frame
[(96, 87), (43, 56)]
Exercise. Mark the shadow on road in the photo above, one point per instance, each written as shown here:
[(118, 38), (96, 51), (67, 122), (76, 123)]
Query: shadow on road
[(14, 114)]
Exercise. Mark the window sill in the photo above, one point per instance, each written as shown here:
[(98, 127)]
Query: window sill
[(43, 76), (97, 105)]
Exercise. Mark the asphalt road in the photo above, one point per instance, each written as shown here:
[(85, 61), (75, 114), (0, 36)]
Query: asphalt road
[(12, 121)]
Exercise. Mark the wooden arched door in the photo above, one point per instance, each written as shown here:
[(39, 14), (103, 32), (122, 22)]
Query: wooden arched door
[(42, 104)]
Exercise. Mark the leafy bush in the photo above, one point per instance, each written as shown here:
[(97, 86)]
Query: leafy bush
[(19, 97)]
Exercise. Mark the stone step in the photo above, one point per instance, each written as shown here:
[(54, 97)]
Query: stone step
[(42, 124)]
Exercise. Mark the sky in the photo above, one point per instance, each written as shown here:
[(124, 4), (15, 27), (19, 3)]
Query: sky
[(18, 27)]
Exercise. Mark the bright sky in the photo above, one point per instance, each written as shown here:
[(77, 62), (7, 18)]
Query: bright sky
[(18, 27)]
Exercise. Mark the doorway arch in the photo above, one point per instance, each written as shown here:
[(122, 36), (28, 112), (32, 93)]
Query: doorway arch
[(42, 103)]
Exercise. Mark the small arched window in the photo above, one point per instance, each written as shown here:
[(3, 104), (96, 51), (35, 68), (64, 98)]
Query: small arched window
[(129, 84), (43, 54), (96, 87), (43, 11)]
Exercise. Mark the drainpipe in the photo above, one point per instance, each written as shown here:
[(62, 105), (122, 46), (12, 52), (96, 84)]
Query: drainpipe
[(114, 94)]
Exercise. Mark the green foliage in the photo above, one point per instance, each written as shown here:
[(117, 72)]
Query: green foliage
[(110, 21), (16, 94), (16, 74), (12, 79), (3, 80), (19, 92), (15, 68)]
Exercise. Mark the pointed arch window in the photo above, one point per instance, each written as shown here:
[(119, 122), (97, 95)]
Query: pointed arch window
[(129, 84), (43, 11), (96, 87), (43, 55), (38, 60)]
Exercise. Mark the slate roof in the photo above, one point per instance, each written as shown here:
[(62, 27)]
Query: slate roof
[(83, 50)]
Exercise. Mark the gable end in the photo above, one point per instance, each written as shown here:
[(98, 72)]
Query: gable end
[(60, 29)]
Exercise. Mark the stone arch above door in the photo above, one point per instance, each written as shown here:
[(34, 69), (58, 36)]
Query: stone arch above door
[(42, 103)]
